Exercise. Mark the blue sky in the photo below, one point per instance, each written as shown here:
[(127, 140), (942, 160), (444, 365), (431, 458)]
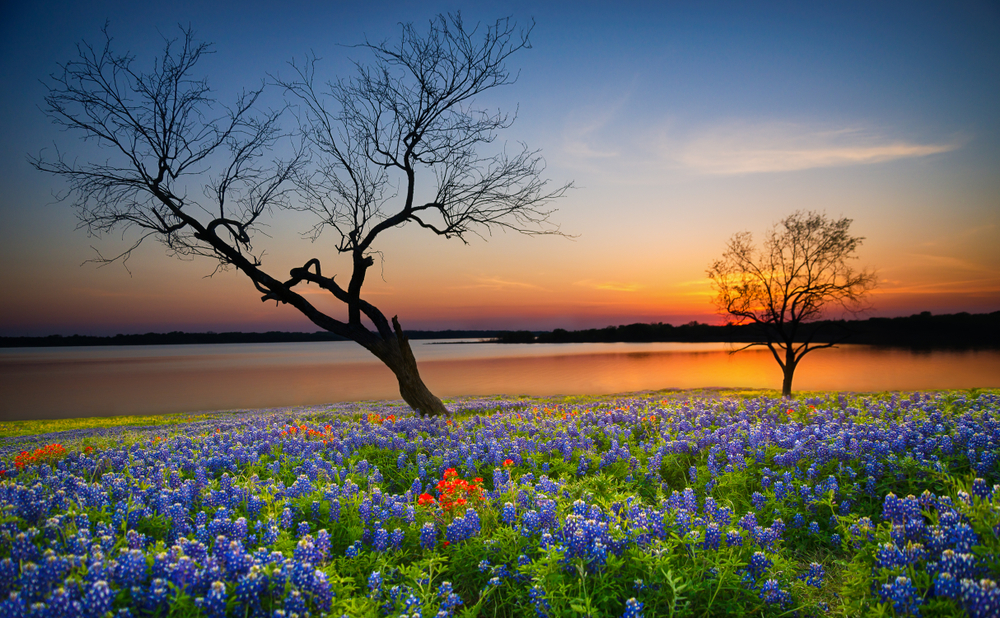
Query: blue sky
[(680, 124)]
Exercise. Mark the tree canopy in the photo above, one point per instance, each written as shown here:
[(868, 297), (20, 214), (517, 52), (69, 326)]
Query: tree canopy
[(802, 269), (365, 144)]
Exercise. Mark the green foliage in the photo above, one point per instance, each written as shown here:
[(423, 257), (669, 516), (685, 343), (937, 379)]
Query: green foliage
[(672, 574)]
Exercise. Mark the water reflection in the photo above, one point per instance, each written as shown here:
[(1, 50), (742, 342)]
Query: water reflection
[(73, 382)]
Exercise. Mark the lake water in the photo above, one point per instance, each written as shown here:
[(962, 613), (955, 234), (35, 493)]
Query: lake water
[(38, 383)]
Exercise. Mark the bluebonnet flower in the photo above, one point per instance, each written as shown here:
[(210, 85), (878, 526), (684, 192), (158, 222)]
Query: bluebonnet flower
[(547, 515), (815, 575), (303, 529), (713, 535), (322, 591), (541, 604), (249, 587), (294, 603), (60, 603), (749, 521), (530, 521), (352, 550), (449, 600), (980, 599), (323, 542), (633, 609), (375, 584), (772, 594), (97, 599), (599, 555), (381, 540), (458, 530), (759, 563), (734, 538), (508, 515), (903, 595), (945, 585), (981, 490), (963, 537), (215, 600), (428, 536), (690, 500)]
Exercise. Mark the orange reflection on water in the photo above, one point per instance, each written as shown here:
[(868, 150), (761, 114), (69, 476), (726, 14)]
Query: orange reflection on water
[(850, 368), (66, 383)]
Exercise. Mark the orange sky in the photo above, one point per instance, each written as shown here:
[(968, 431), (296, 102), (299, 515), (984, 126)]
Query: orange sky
[(679, 128)]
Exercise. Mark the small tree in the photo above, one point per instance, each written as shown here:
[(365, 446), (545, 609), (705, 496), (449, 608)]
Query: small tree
[(801, 270), (366, 141)]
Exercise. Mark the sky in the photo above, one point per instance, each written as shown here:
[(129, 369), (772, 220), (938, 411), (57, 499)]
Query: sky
[(679, 124)]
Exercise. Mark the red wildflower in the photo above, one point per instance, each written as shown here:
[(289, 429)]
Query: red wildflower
[(508, 462), (43, 454)]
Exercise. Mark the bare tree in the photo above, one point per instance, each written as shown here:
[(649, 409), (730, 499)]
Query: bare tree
[(408, 113), (801, 270)]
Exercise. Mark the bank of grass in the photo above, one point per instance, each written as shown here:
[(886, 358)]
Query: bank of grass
[(592, 505), (12, 429)]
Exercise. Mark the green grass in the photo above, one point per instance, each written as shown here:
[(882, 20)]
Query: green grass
[(13, 429)]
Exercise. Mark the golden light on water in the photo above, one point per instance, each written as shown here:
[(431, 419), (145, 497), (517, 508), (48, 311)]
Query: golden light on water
[(197, 378)]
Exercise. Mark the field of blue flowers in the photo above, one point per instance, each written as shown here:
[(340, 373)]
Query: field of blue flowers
[(655, 505)]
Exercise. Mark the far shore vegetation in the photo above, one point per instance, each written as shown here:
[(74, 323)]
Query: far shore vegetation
[(923, 330)]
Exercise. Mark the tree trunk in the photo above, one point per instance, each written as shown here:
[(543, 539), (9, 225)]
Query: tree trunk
[(789, 371), (411, 387)]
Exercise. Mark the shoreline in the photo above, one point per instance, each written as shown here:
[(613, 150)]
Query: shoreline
[(15, 430)]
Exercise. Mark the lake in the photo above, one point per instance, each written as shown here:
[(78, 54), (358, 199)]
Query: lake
[(37, 383)]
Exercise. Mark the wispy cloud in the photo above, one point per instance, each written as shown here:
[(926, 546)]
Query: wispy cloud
[(584, 131), (495, 283), (969, 236), (750, 148), (951, 262), (966, 287), (704, 283), (611, 286)]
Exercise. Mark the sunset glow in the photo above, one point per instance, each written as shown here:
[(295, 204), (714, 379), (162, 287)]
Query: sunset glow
[(679, 126)]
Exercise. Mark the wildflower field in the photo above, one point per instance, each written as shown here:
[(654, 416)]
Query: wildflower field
[(666, 504)]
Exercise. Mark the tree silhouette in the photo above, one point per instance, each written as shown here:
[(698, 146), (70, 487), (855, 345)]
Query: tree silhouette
[(408, 114), (801, 269)]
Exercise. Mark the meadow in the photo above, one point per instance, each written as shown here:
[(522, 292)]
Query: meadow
[(658, 504)]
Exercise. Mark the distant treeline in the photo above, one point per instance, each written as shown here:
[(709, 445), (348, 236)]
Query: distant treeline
[(958, 330), (179, 338)]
